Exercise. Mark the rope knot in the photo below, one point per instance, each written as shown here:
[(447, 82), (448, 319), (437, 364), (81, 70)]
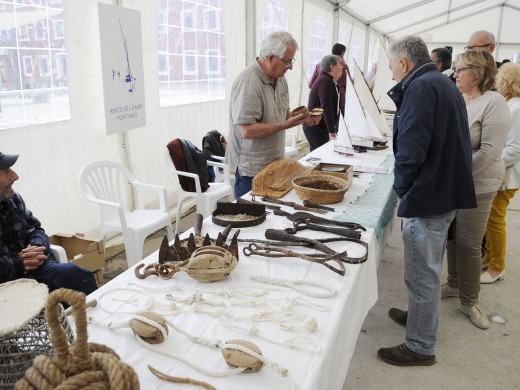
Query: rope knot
[(87, 363)]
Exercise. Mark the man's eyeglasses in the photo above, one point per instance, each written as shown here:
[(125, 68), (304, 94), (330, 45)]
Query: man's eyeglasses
[(458, 70), (475, 46), (288, 63)]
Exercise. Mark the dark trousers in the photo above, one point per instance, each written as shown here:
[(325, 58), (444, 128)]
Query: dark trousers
[(66, 275), (316, 136)]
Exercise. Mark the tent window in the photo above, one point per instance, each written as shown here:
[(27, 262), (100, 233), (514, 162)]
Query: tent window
[(33, 82), (342, 36), (191, 51), (355, 52), (275, 19), (316, 49)]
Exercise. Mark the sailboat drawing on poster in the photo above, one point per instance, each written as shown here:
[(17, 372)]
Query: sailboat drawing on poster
[(360, 128)]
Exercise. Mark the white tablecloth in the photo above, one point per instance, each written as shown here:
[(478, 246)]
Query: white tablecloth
[(339, 318)]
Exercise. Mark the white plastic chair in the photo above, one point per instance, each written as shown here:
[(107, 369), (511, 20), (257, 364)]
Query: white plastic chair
[(219, 175), (206, 201), (293, 149), (103, 182), (59, 253)]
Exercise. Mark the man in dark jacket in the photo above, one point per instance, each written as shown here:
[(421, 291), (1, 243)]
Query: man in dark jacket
[(24, 246), (433, 179)]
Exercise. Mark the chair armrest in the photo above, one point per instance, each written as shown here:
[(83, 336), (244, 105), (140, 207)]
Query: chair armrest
[(224, 167), (219, 158), (59, 253), (117, 206), (161, 192), (194, 176)]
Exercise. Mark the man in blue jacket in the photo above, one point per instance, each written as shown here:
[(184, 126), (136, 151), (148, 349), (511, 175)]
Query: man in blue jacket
[(433, 179), (24, 246)]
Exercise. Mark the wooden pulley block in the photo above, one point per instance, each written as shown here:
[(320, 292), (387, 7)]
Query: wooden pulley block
[(147, 332), (235, 358), (210, 264)]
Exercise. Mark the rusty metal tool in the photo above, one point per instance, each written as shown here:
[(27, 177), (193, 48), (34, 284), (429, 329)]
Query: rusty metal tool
[(308, 203), (296, 206), (282, 235), (318, 219), (274, 252), (302, 224)]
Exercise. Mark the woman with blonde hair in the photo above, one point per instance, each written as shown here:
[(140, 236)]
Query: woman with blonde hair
[(508, 84), (489, 119)]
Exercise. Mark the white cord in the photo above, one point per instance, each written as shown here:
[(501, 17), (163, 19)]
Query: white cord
[(201, 340), (293, 342), (295, 285), (150, 302)]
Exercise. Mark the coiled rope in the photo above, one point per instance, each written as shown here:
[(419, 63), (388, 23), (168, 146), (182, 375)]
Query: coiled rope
[(81, 365)]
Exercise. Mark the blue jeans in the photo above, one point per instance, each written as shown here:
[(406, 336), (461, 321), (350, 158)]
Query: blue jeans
[(243, 184), (66, 275), (424, 246)]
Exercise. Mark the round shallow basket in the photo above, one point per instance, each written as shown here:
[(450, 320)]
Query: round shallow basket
[(24, 332), (320, 189)]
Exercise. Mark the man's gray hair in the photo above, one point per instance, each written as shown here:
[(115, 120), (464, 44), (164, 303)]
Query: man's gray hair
[(412, 48), (488, 37), (276, 44), (328, 61)]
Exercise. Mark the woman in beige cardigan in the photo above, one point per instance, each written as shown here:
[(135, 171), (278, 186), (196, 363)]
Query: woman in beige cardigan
[(508, 84), (489, 119)]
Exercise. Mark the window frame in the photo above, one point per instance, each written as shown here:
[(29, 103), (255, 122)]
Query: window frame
[(208, 57), (206, 20), (24, 62), (185, 56)]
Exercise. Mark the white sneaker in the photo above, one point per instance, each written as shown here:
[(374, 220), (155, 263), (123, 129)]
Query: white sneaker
[(486, 277), (475, 315), (447, 291)]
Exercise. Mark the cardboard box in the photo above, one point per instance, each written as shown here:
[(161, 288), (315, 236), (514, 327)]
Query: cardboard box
[(99, 277), (84, 252), (348, 175)]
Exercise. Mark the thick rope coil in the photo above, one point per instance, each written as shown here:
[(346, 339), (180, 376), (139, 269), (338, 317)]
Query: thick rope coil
[(80, 366)]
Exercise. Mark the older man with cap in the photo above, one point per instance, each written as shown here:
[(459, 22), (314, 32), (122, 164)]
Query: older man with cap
[(259, 111), (24, 246)]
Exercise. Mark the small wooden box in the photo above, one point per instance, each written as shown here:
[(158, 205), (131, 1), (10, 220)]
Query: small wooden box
[(348, 175)]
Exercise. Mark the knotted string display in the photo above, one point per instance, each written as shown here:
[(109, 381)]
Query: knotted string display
[(200, 340), (80, 366), (296, 285)]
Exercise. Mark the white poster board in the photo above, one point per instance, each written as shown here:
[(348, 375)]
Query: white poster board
[(122, 68)]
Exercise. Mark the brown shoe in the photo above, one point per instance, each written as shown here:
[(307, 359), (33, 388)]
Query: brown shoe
[(399, 316), (401, 355)]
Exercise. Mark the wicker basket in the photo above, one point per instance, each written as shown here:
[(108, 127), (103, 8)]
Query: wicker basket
[(320, 189)]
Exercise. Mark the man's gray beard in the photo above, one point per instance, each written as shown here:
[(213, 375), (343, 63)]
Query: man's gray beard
[(6, 195)]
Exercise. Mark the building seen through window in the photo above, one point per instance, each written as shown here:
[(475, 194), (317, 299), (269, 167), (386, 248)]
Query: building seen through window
[(191, 51), (33, 68)]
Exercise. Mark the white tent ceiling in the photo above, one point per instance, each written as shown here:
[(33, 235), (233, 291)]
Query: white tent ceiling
[(440, 22)]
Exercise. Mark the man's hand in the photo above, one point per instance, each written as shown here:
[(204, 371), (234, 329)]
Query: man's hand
[(312, 120), (32, 257), (294, 120), (333, 135)]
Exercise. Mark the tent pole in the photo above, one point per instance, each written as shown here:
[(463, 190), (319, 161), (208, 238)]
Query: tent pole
[(499, 32), (250, 31)]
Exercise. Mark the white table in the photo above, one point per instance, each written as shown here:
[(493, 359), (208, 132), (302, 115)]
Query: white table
[(338, 326)]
